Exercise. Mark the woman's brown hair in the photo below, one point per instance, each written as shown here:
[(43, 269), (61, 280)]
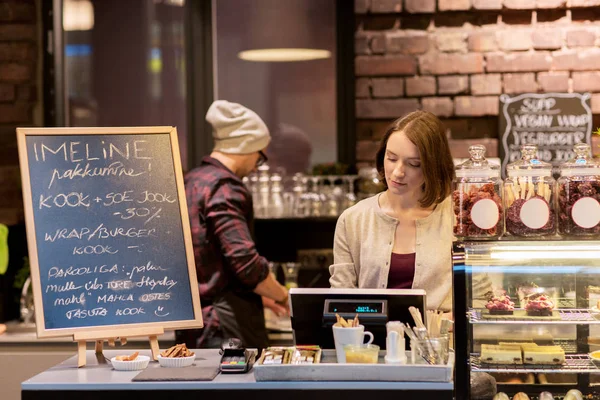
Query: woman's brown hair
[(426, 132)]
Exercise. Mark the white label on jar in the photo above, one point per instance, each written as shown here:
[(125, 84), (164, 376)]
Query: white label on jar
[(484, 214), (586, 212), (535, 213)]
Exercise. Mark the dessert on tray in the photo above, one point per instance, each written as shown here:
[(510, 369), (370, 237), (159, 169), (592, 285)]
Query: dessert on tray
[(545, 355), (495, 354), (500, 305), (539, 306), (518, 345), (521, 353)]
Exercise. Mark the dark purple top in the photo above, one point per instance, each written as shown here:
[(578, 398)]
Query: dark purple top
[(402, 271)]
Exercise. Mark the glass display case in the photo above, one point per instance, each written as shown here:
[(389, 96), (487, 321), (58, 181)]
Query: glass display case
[(526, 313)]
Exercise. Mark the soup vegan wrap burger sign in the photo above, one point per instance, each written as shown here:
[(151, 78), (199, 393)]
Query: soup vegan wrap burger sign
[(555, 122)]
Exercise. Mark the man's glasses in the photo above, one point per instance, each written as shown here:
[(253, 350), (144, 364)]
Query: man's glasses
[(262, 158)]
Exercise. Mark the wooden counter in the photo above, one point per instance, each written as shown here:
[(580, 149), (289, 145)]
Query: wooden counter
[(98, 380)]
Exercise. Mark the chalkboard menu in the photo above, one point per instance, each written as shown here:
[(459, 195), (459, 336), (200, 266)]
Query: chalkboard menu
[(553, 121), (108, 230)]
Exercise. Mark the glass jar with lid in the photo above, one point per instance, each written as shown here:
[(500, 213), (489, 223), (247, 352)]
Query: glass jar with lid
[(369, 183), (578, 194), (529, 196), (477, 197)]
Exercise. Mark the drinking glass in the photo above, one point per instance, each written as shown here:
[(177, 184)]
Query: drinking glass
[(302, 198), (317, 199), (331, 204), (273, 268), (436, 349), (350, 198), (290, 271)]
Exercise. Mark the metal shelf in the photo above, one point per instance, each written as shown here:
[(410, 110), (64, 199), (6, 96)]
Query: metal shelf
[(569, 346), (568, 316), (574, 363), (566, 302)]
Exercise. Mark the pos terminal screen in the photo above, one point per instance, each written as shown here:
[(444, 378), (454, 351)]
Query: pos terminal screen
[(355, 307)]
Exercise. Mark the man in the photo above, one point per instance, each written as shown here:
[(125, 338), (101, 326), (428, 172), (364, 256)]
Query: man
[(232, 275)]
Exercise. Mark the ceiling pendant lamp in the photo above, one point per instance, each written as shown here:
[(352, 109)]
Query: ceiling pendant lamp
[(281, 31)]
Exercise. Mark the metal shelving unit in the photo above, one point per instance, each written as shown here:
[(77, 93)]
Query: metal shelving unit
[(568, 316), (577, 260)]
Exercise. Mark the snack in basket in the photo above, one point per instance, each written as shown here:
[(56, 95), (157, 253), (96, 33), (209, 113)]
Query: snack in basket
[(275, 355), (128, 358), (306, 355), (177, 351), (351, 323)]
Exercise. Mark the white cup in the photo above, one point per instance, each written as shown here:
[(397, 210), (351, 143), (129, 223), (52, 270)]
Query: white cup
[(344, 336)]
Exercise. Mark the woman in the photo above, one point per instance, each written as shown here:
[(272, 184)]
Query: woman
[(402, 237)]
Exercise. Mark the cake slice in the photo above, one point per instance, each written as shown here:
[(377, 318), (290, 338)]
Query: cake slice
[(517, 345), (500, 305), (539, 306), (494, 354), (545, 355)]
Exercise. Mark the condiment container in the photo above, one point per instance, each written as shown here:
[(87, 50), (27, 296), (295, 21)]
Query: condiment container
[(361, 353)]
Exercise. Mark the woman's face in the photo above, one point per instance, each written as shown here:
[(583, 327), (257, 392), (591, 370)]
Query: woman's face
[(402, 166)]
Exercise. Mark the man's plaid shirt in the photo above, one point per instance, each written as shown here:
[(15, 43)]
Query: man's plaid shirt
[(220, 211)]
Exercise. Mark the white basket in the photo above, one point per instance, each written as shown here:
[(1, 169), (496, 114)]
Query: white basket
[(330, 370), (140, 362), (176, 362)]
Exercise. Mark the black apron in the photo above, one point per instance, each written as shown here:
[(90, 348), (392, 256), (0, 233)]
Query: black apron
[(241, 316)]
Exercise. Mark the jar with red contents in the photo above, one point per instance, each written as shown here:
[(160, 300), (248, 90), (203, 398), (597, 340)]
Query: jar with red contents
[(529, 196), (477, 198), (579, 194)]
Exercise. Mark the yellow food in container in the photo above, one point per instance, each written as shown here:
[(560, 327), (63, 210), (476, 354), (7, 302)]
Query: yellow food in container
[(361, 353)]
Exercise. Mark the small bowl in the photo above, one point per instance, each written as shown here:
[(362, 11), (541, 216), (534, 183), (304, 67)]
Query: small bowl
[(595, 357), (176, 362), (140, 362), (361, 353)]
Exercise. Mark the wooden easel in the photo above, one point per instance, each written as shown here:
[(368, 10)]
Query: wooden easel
[(111, 336)]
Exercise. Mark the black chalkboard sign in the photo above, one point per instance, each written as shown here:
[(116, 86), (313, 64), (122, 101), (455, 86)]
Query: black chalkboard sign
[(108, 230), (553, 121)]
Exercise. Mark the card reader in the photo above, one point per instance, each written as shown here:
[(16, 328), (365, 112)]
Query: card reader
[(236, 361)]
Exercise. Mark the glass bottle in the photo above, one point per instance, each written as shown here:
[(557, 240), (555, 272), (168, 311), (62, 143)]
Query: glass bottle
[(529, 196), (261, 205), (578, 194), (477, 197)]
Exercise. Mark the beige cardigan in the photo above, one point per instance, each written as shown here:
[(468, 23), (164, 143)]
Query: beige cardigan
[(363, 243)]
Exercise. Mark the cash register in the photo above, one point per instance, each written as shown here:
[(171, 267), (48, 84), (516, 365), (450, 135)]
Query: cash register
[(313, 311)]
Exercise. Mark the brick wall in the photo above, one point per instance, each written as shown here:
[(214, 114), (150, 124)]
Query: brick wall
[(455, 57), (19, 45)]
